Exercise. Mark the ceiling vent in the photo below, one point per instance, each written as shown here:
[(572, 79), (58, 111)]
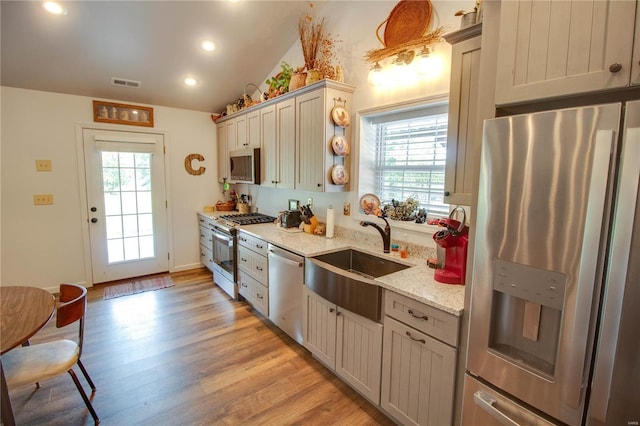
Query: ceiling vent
[(125, 83)]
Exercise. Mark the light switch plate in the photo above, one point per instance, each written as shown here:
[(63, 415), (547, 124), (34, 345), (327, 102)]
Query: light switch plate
[(42, 199), (43, 165)]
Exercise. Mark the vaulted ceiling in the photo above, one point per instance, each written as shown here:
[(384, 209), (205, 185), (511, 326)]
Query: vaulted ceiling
[(154, 42)]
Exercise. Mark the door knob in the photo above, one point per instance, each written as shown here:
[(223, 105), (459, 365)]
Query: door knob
[(93, 209), (94, 220)]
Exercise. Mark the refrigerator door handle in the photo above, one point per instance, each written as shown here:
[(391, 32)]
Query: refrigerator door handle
[(490, 405), (615, 281), (588, 263)]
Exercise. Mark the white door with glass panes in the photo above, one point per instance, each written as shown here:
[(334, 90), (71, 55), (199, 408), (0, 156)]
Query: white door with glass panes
[(127, 215)]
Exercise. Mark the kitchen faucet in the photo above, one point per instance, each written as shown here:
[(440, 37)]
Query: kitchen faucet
[(386, 232)]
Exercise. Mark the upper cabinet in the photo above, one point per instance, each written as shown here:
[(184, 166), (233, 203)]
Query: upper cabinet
[(550, 49), (296, 134), (223, 162), (464, 131), (316, 152)]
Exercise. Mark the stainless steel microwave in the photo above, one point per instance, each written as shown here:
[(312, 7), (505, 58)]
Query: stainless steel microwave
[(245, 166)]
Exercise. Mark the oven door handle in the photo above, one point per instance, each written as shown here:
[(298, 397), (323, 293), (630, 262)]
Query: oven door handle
[(223, 237)]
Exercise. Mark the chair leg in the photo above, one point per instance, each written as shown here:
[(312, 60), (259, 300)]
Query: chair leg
[(86, 375), (84, 396)]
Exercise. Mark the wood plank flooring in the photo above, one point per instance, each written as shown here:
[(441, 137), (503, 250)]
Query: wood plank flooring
[(188, 355)]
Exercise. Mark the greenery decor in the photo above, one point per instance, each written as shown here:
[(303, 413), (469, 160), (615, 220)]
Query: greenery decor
[(279, 84)]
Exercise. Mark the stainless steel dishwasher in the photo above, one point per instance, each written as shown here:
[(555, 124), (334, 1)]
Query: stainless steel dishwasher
[(286, 278)]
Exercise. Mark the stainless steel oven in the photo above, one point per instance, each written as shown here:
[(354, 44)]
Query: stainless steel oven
[(224, 258), (225, 253)]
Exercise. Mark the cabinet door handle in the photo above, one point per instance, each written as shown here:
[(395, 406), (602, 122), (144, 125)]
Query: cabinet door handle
[(447, 193), (422, 317), (259, 246), (414, 339), (242, 259), (259, 268), (616, 67), (260, 296), (331, 310)]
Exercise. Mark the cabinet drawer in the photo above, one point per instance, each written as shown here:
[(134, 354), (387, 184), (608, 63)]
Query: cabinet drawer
[(254, 292), (253, 264), (206, 237), (429, 320), (253, 243), (205, 221), (206, 257)]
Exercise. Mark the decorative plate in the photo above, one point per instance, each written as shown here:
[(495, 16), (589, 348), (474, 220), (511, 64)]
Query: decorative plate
[(339, 174), (340, 116), (370, 203), (340, 146), (408, 20)]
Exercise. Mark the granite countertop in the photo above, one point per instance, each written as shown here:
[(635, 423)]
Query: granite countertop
[(416, 282)]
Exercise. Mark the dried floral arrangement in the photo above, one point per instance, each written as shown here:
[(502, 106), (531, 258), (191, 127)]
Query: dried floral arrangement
[(318, 46), (428, 39)]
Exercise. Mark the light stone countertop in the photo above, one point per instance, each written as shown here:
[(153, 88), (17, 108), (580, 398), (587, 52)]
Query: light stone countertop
[(416, 282)]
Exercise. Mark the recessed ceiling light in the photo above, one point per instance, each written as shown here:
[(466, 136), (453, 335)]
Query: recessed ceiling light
[(190, 81), (55, 8), (208, 45)]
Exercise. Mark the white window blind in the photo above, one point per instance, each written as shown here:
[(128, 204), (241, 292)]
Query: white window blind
[(410, 156)]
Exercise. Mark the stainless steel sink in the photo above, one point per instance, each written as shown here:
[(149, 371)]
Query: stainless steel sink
[(346, 278)]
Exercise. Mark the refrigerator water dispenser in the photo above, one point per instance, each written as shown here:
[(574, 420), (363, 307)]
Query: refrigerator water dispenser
[(526, 316)]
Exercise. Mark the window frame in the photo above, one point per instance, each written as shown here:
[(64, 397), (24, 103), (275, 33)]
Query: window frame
[(365, 155)]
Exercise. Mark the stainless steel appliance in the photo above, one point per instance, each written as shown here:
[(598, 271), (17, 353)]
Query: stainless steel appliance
[(555, 293), (286, 280), (225, 253), (245, 166)]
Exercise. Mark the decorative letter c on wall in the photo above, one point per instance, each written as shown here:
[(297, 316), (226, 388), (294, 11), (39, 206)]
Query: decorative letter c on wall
[(188, 160)]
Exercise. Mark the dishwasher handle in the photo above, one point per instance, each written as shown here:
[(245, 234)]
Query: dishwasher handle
[(286, 260)]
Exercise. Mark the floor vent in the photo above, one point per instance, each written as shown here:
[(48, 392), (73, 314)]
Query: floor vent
[(125, 83)]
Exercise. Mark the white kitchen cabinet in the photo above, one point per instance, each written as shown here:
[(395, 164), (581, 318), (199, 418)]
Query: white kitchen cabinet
[(551, 49), (345, 342), (247, 130), (223, 158), (253, 271), (464, 133), (315, 130), (241, 132), (232, 132), (277, 130), (359, 353), (253, 130), (206, 241), (419, 362), (319, 327)]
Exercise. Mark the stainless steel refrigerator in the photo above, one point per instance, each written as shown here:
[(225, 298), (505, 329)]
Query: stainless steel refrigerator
[(554, 334)]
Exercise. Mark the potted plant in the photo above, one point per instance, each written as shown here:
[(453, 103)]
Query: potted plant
[(279, 84)]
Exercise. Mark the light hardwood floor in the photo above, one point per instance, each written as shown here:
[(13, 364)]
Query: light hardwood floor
[(188, 355)]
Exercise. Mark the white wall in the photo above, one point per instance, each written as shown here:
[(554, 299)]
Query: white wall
[(42, 246), (355, 23)]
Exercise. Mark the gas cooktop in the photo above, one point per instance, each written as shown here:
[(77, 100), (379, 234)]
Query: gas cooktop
[(247, 218)]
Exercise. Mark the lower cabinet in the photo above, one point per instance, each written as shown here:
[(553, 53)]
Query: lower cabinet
[(253, 272), (418, 373), (347, 343), (206, 242)]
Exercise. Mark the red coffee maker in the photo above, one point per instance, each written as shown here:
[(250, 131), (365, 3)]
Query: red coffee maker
[(454, 238)]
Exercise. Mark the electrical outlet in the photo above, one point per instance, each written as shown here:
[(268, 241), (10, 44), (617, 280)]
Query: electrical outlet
[(310, 202), (43, 165), (42, 199)]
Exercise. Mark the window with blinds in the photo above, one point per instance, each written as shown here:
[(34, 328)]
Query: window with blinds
[(410, 156)]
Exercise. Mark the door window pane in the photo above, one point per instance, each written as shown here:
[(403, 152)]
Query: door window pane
[(128, 205)]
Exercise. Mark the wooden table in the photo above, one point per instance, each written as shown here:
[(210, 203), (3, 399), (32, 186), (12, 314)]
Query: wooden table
[(23, 311)]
